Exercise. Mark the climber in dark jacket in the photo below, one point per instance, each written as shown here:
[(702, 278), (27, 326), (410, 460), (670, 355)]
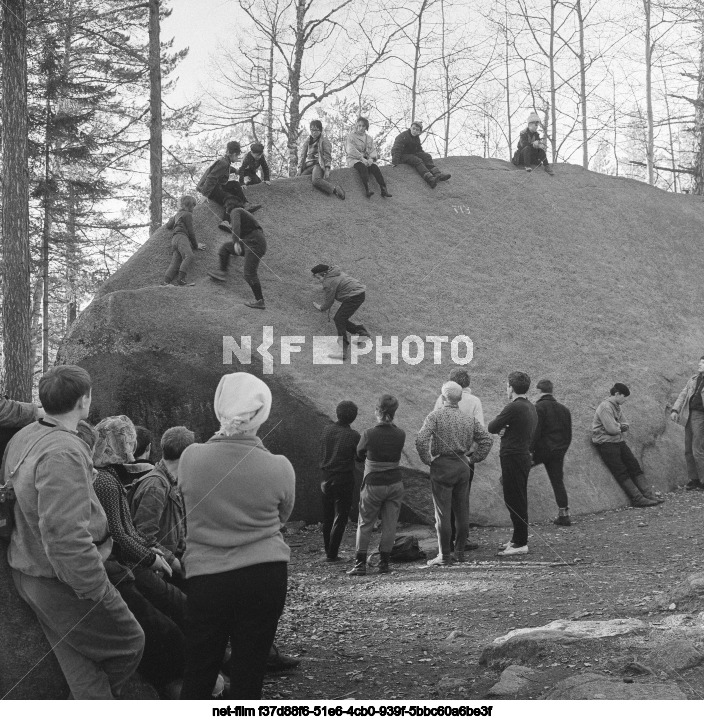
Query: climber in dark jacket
[(252, 162), (407, 149), (531, 147)]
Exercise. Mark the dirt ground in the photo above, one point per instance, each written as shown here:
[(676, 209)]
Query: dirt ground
[(389, 636)]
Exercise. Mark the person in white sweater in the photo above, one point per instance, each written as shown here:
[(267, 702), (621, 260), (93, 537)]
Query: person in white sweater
[(237, 494), (362, 156)]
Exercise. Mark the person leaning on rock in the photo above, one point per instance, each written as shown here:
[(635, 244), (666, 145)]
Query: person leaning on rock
[(407, 150), (183, 242), (688, 411), (61, 541), (608, 427)]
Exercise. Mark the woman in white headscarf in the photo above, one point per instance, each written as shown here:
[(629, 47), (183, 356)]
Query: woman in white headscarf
[(237, 495)]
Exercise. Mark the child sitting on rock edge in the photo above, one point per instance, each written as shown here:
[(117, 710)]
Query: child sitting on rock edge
[(531, 147)]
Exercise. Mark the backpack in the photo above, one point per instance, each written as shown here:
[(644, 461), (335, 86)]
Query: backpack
[(201, 182), (406, 549)]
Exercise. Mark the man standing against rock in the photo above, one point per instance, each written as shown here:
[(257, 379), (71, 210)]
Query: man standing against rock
[(518, 421), (608, 427), (443, 443), (61, 541), (550, 443), (688, 411)]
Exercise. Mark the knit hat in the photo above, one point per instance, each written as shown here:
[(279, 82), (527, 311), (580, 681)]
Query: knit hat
[(116, 442), (418, 123), (242, 403), (533, 118), (256, 148), (320, 268), (451, 391)]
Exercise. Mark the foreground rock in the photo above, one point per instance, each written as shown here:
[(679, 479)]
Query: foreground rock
[(524, 644), (592, 686), (686, 596), (513, 680)]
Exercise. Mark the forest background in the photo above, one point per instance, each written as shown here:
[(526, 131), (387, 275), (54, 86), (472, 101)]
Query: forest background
[(115, 120)]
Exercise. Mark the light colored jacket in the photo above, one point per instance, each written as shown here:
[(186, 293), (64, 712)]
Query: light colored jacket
[(237, 495), (339, 286), (469, 404), (14, 414), (681, 405), (359, 147), (324, 153), (606, 426), (60, 527)]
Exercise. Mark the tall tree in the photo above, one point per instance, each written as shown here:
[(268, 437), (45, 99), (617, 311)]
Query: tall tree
[(16, 307), (155, 129)]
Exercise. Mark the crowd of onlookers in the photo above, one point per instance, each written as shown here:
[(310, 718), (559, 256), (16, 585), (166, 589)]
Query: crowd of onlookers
[(179, 569)]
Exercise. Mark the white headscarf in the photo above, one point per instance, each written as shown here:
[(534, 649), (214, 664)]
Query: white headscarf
[(242, 403)]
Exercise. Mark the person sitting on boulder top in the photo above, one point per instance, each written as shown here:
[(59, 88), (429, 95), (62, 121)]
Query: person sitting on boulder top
[(362, 155), (183, 242), (531, 147), (252, 162), (608, 427), (351, 294), (408, 150), (247, 240), (315, 158), (221, 185)]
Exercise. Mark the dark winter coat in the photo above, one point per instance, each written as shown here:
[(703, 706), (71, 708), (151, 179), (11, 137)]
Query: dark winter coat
[(554, 431), (526, 138), (405, 144), (216, 174)]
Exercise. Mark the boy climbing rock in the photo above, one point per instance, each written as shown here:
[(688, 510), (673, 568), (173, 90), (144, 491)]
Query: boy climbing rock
[(247, 240), (531, 147), (252, 162), (351, 294), (183, 242)]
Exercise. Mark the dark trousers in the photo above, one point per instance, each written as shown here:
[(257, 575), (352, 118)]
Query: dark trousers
[(242, 606), (254, 249), (554, 466), (252, 179), (421, 162), (619, 459), (343, 324), (453, 522), (533, 156), (364, 172), (181, 256), (163, 595), (230, 196), (337, 501), (449, 482), (514, 479)]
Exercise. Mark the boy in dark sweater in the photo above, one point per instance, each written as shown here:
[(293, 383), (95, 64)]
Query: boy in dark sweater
[(407, 150), (247, 240), (183, 242), (518, 421), (531, 147), (252, 162), (338, 448)]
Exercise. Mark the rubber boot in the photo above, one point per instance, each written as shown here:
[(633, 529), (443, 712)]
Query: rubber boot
[(430, 180), (181, 278), (384, 562), (638, 500), (646, 489)]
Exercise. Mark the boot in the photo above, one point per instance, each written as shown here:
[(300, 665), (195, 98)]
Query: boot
[(638, 500), (646, 489), (430, 180), (339, 192), (547, 169), (360, 566), (385, 193), (563, 517), (384, 562), (258, 304), (369, 193)]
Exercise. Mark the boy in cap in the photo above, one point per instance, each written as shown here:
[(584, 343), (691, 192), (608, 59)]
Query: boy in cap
[(247, 240), (221, 185), (531, 147), (351, 294), (252, 162), (407, 149)]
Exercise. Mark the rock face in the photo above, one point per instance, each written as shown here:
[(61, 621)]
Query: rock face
[(524, 644), (513, 680), (588, 686), (436, 263), (686, 596)]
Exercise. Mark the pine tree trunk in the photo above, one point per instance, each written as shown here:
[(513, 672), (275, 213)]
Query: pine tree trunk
[(16, 309), (155, 150), (46, 236)]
